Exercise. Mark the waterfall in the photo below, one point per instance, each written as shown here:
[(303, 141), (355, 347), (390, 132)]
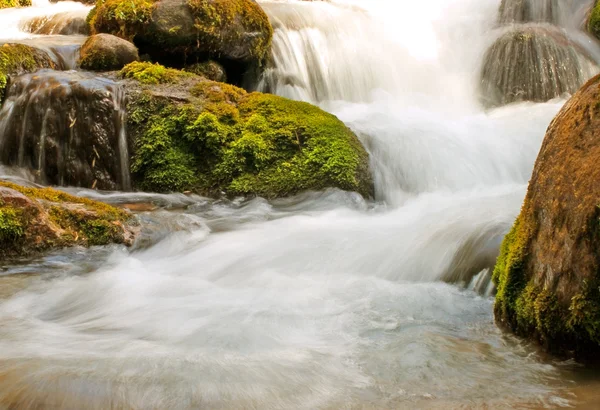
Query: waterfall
[(69, 127)]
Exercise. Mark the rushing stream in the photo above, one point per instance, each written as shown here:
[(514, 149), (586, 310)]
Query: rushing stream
[(324, 300)]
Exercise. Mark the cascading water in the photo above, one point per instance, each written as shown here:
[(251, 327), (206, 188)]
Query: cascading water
[(70, 128), (323, 300)]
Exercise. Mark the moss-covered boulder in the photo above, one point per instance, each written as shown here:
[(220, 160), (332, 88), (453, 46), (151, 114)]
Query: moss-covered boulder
[(105, 52), (548, 272), (5, 4), (35, 219), (18, 59), (176, 32), (189, 133)]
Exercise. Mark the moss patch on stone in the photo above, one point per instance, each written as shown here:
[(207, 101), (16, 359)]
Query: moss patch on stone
[(148, 73), (220, 139), (18, 59), (37, 219), (126, 19), (5, 4), (594, 21)]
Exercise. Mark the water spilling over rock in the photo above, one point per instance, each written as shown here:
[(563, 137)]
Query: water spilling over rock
[(533, 63), (524, 11), (69, 127), (65, 23)]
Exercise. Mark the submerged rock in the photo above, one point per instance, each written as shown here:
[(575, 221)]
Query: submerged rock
[(190, 133), (533, 63), (548, 272), (237, 32), (62, 24), (67, 126), (4, 4), (17, 59), (105, 52), (34, 220)]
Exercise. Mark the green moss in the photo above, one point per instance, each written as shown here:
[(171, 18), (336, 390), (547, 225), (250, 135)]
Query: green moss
[(594, 21), (19, 58), (148, 73), (126, 19), (11, 224), (531, 308), (229, 141), (4, 4)]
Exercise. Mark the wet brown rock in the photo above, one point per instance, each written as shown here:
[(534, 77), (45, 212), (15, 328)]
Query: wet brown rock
[(548, 273)]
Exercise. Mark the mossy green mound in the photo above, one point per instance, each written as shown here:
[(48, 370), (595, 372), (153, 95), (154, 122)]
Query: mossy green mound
[(18, 59), (36, 219), (5, 4), (548, 271), (213, 138)]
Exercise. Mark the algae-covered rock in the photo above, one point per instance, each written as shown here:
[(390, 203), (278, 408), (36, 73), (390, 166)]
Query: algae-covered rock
[(548, 272), (18, 59), (4, 4), (190, 133), (186, 31), (105, 52), (38, 219), (533, 63)]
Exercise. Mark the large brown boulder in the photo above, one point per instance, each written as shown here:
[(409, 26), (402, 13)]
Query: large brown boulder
[(105, 52), (178, 32), (548, 272)]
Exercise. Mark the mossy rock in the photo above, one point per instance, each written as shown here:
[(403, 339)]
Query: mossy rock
[(548, 271), (17, 59), (105, 52), (180, 32), (593, 24), (5, 4), (38, 219), (190, 133), (210, 70)]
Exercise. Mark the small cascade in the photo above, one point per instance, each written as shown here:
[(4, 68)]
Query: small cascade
[(68, 127), (541, 53), (524, 11), (65, 23), (533, 63)]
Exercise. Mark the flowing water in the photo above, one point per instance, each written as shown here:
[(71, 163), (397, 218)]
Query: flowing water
[(324, 300)]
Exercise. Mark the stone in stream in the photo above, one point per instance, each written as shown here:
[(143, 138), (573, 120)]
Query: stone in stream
[(236, 33), (548, 272), (33, 220), (67, 23), (533, 63), (184, 133), (67, 126), (105, 52)]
